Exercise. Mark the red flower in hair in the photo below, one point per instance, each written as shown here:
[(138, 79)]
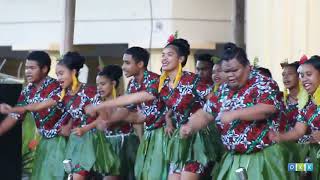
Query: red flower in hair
[(303, 59), (173, 37)]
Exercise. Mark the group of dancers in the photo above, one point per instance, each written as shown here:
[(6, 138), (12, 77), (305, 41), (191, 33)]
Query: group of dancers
[(228, 120)]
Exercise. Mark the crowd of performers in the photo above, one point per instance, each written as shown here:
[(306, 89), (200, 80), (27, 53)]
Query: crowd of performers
[(227, 118)]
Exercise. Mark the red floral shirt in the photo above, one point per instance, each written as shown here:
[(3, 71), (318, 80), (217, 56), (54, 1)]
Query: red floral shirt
[(289, 114), (154, 110), (245, 136), (48, 121), (310, 115), (74, 105), (125, 128), (186, 98)]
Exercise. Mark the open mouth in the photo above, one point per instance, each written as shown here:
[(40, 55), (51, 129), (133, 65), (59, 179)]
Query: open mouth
[(165, 63), (286, 82), (101, 92), (307, 86)]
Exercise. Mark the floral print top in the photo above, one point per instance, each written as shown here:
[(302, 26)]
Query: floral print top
[(48, 121), (154, 110), (245, 136)]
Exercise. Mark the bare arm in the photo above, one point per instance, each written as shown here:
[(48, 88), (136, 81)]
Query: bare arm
[(7, 124), (124, 100), (197, 121), (34, 107), (123, 114), (256, 112), (84, 129)]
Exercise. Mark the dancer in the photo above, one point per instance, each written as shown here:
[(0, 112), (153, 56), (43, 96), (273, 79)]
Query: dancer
[(51, 126), (187, 157), (309, 116), (204, 66), (150, 161), (121, 136), (72, 100), (244, 110)]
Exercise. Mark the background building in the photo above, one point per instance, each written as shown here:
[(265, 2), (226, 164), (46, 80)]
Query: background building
[(274, 29)]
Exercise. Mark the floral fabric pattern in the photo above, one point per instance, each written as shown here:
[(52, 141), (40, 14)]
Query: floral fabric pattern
[(48, 121), (246, 136), (153, 110)]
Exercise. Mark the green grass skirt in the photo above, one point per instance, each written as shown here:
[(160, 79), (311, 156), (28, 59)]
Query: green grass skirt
[(48, 164), (107, 160), (81, 151), (270, 163), (313, 152), (150, 162), (125, 147), (202, 147)]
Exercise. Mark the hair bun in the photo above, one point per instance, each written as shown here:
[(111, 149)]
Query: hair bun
[(231, 47), (112, 71), (75, 59), (183, 45)]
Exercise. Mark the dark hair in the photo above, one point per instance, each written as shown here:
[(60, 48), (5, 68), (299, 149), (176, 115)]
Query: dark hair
[(182, 47), (314, 61), (41, 57), (113, 72), (265, 71), (72, 60), (295, 65), (232, 51), (205, 58), (139, 54)]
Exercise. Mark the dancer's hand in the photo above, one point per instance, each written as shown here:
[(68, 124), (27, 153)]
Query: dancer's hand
[(315, 137), (18, 109), (5, 108), (274, 136), (185, 131), (169, 130), (65, 130), (78, 131), (101, 125), (91, 110), (228, 116)]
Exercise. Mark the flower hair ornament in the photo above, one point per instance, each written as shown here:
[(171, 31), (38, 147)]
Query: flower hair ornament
[(172, 37), (165, 74), (215, 59), (303, 59)]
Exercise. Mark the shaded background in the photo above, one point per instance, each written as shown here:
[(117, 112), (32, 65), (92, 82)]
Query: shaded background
[(10, 142)]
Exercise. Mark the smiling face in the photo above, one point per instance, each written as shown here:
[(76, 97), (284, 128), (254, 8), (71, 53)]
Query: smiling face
[(130, 67), (290, 77), (64, 75), (104, 86), (217, 74), (310, 78), (236, 75), (33, 72), (170, 59)]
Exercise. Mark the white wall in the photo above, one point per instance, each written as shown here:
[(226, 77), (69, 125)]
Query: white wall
[(35, 24), (280, 29)]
